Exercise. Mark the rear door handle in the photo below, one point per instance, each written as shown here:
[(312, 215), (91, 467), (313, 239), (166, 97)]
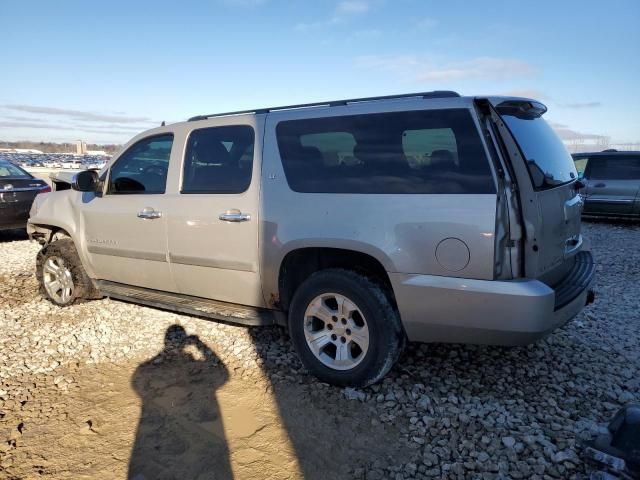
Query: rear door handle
[(600, 185), (149, 213), (234, 215)]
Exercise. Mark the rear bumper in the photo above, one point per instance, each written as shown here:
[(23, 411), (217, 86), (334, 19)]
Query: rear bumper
[(457, 310), (13, 217)]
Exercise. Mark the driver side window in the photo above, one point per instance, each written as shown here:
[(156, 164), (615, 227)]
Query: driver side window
[(142, 169)]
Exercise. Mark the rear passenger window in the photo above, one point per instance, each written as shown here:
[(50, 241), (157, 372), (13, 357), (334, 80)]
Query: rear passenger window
[(218, 160), (433, 151), (614, 168)]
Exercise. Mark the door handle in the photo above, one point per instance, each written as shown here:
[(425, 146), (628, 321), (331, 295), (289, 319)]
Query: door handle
[(234, 215), (600, 185), (149, 213)]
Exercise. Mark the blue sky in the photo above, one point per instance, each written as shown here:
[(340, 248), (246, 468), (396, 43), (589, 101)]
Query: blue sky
[(103, 71)]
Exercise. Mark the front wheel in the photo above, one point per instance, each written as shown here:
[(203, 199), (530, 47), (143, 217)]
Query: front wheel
[(61, 275), (344, 328)]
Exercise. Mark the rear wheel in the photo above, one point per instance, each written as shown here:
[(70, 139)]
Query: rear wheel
[(345, 328), (61, 275)]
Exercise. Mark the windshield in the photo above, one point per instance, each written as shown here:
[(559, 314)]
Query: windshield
[(547, 158), (8, 169)]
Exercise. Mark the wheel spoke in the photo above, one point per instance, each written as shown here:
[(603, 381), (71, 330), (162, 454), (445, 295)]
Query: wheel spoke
[(319, 310), (342, 354), (51, 267), (361, 337), (66, 294), (317, 340), (55, 286)]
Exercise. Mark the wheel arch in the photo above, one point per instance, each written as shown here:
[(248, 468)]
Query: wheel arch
[(299, 263)]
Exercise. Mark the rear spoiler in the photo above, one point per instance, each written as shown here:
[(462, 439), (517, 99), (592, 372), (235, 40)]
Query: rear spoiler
[(522, 108)]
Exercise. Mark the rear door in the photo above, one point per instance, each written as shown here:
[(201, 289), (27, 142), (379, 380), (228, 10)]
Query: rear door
[(612, 184), (213, 218), (545, 172)]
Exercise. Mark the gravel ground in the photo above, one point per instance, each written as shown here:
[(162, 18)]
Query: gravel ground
[(445, 411)]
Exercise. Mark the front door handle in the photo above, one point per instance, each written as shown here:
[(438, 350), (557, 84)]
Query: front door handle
[(234, 215), (149, 213), (600, 185)]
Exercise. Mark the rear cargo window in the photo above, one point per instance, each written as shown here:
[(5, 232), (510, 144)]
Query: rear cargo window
[(9, 170), (614, 168), (548, 160), (424, 151)]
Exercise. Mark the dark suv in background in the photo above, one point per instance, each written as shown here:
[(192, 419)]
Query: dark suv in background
[(612, 183)]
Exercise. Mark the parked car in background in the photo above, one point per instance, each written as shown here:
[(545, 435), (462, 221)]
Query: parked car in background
[(358, 223), (18, 188), (72, 164), (611, 183)]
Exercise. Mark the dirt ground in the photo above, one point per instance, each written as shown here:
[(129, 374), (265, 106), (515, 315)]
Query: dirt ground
[(181, 415)]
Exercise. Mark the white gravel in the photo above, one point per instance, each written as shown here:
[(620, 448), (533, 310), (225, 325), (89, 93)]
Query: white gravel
[(463, 411)]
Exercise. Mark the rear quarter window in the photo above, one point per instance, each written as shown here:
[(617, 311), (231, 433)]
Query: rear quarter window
[(416, 152)]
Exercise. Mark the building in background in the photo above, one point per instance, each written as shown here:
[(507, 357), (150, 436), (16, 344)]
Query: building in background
[(81, 147)]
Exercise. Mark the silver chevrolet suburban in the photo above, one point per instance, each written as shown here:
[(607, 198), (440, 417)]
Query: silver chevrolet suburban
[(357, 223)]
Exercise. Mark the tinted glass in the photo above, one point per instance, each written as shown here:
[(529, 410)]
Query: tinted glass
[(614, 168), (218, 160), (9, 170), (143, 168), (436, 151), (581, 165), (548, 160)]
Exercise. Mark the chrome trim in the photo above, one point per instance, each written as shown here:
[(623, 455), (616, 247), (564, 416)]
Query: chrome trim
[(234, 216), (213, 263), (149, 214), (25, 189), (118, 252), (608, 200)]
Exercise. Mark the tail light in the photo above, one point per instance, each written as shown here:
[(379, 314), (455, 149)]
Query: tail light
[(44, 189)]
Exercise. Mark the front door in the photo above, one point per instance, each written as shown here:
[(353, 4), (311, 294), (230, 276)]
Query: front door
[(125, 226), (213, 219), (612, 184)]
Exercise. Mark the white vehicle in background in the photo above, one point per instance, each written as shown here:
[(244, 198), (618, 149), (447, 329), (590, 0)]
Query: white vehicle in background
[(72, 164), (96, 165)]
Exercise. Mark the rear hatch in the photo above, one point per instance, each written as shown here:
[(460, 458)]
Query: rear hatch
[(546, 176)]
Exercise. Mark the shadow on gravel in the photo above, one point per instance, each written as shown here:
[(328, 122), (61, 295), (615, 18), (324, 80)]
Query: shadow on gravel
[(13, 235), (180, 427), (333, 437)]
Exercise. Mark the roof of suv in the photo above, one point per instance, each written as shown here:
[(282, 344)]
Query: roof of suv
[(605, 153), (436, 94)]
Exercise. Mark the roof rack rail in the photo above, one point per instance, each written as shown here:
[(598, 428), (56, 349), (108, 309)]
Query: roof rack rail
[(333, 103)]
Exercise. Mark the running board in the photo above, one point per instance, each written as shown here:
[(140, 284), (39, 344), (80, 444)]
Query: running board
[(176, 302)]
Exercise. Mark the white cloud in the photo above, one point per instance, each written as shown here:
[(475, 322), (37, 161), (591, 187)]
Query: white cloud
[(77, 114), (422, 69), (352, 6), (566, 133), (527, 93), (581, 105), (343, 11)]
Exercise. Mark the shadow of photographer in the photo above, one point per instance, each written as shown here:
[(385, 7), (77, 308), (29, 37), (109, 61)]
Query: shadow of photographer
[(180, 433)]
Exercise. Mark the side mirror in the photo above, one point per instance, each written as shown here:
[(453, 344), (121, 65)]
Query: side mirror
[(86, 181)]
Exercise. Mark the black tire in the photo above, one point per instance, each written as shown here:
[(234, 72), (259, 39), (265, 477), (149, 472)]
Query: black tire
[(83, 287), (386, 335)]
